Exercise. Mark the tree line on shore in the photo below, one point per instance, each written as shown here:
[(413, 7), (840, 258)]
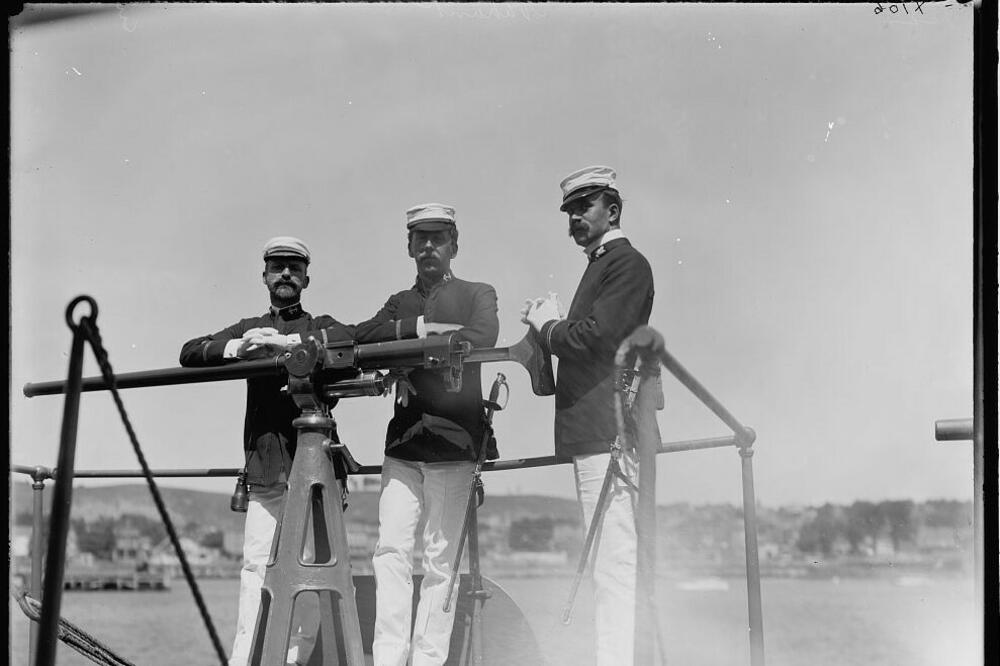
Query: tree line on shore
[(862, 524), (831, 529)]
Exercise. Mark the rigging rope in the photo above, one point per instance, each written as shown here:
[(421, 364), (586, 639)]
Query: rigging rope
[(70, 634), (90, 330)]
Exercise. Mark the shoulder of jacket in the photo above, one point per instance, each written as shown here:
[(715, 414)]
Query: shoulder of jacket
[(251, 322), (628, 252), (395, 297), (469, 284), (325, 320)]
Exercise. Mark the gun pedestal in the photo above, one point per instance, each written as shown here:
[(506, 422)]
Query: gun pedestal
[(315, 494)]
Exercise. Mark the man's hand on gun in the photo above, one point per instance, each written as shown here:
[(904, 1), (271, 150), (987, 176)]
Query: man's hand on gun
[(263, 342), (537, 311)]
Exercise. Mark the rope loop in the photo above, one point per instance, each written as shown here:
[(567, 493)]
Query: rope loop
[(72, 306)]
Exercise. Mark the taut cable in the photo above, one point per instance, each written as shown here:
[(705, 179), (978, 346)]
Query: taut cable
[(93, 335)]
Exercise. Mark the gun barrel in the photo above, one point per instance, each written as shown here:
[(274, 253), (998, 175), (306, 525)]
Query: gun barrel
[(166, 377), (437, 351)]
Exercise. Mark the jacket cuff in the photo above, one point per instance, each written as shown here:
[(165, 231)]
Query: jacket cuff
[(545, 335), (406, 328), (213, 350)]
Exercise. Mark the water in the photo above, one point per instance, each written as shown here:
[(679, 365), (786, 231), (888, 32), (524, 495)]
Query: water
[(874, 622)]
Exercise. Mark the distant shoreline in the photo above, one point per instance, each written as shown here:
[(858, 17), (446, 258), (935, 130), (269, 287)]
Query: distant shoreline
[(848, 569)]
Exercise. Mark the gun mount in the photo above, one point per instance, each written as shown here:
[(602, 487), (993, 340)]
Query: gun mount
[(323, 374)]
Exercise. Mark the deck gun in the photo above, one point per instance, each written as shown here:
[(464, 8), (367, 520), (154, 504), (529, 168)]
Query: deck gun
[(340, 369)]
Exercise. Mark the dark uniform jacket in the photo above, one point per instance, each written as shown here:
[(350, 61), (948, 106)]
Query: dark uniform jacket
[(437, 425), (614, 297), (268, 435)]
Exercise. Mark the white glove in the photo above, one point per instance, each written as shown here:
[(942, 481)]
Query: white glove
[(540, 311), (528, 303), (252, 343), (559, 306), (259, 342)]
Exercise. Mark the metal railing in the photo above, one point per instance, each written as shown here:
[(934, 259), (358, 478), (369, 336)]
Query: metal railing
[(40, 474)]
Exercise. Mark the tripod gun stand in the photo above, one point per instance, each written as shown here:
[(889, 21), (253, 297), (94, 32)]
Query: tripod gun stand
[(318, 377)]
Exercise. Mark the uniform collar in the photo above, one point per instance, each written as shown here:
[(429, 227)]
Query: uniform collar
[(419, 286), (597, 249), (293, 311)]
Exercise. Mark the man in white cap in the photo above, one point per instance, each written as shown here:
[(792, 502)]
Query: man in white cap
[(615, 295), (431, 443), (268, 436)]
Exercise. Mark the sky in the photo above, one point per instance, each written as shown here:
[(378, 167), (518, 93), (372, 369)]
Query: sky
[(799, 177)]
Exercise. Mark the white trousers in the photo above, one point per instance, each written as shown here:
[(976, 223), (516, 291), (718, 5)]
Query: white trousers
[(264, 511), (437, 492), (614, 563)]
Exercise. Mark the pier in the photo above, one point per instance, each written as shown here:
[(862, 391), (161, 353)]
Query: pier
[(121, 580)]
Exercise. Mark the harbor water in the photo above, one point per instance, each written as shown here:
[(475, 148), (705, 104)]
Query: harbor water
[(916, 621)]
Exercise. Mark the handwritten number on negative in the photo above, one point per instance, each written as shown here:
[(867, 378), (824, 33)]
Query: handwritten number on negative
[(894, 7)]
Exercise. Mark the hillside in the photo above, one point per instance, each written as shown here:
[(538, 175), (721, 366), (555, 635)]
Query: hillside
[(211, 509), (185, 506)]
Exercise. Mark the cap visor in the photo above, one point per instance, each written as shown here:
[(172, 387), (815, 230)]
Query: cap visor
[(430, 225), (581, 193), (285, 255)]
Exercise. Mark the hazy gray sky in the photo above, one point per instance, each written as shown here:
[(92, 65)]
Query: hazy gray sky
[(799, 177)]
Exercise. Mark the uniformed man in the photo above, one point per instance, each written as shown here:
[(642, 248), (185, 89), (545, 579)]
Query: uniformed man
[(431, 443), (615, 295), (268, 436)]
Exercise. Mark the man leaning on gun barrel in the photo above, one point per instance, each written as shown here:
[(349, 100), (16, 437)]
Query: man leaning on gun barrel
[(431, 443), (269, 437)]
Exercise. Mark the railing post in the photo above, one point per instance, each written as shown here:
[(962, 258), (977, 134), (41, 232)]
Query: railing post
[(950, 430), (984, 197), (38, 477), (648, 441), (651, 342), (753, 560)]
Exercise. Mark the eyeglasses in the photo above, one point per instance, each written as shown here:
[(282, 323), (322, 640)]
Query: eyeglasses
[(579, 207)]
